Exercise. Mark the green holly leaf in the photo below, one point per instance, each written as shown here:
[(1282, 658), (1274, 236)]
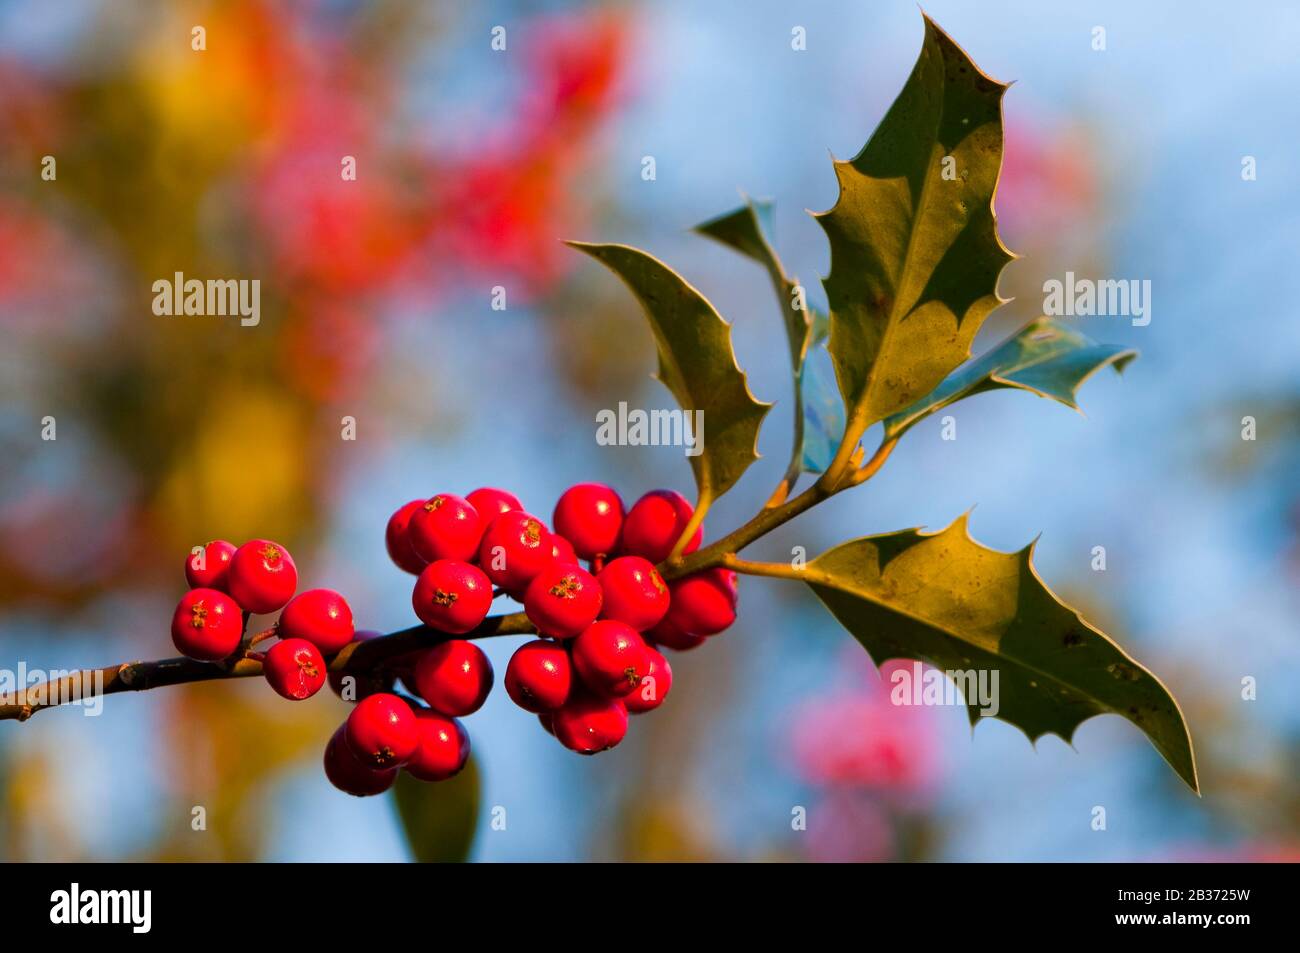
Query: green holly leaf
[(915, 253), (439, 818), (818, 412), (943, 598), (1046, 357), (696, 363)]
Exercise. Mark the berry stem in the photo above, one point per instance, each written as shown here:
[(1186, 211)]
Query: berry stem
[(143, 676), (355, 657), (774, 570), (769, 518)]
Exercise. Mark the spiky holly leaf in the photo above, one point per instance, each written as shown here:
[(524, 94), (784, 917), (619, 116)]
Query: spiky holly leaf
[(1046, 357), (439, 819), (915, 254), (696, 363), (943, 598), (818, 413)]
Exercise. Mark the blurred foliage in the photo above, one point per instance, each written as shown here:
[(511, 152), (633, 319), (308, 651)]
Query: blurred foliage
[(226, 163), (440, 819)]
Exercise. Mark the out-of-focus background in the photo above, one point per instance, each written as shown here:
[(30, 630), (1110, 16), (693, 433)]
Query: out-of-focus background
[(472, 165)]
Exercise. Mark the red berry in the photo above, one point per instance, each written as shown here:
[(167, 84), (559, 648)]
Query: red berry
[(670, 636), (634, 592), (207, 625), (515, 548), (262, 576), (454, 677), (589, 724), (452, 596), (443, 748), (590, 516), (346, 772), (398, 540), (539, 676), (654, 523), (547, 720), (491, 502), (562, 600), (704, 602), (562, 550), (209, 568), (610, 658), (654, 688), (445, 527), (321, 616), (354, 686), (295, 669), (381, 731)]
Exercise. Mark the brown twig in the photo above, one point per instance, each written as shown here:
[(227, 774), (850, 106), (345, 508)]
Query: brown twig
[(143, 676), (368, 656)]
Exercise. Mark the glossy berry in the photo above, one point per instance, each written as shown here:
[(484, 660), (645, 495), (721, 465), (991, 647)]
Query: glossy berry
[(634, 592), (562, 550), (452, 596), (539, 676), (382, 731), (346, 772), (610, 658), (590, 516), (295, 669), (491, 502), (515, 548), (562, 600), (445, 527), (589, 724), (262, 576), (398, 540), (210, 568), (354, 686), (454, 677), (704, 602), (654, 688), (670, 636), (654, 523), (207, 625), (321, 616), (443, 748)]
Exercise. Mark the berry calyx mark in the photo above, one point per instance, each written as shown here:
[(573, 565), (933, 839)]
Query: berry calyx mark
[(384, 757), (270, 553), (633, 678), (566, 588), (533, 531), (443, 598), (434, 504), (199, 615)]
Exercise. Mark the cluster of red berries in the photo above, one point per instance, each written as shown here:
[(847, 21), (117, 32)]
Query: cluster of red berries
[(600, 627), (383, 732), (597, 658)]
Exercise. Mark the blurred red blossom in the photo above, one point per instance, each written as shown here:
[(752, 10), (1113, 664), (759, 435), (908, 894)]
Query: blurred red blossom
[(856, 737)]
